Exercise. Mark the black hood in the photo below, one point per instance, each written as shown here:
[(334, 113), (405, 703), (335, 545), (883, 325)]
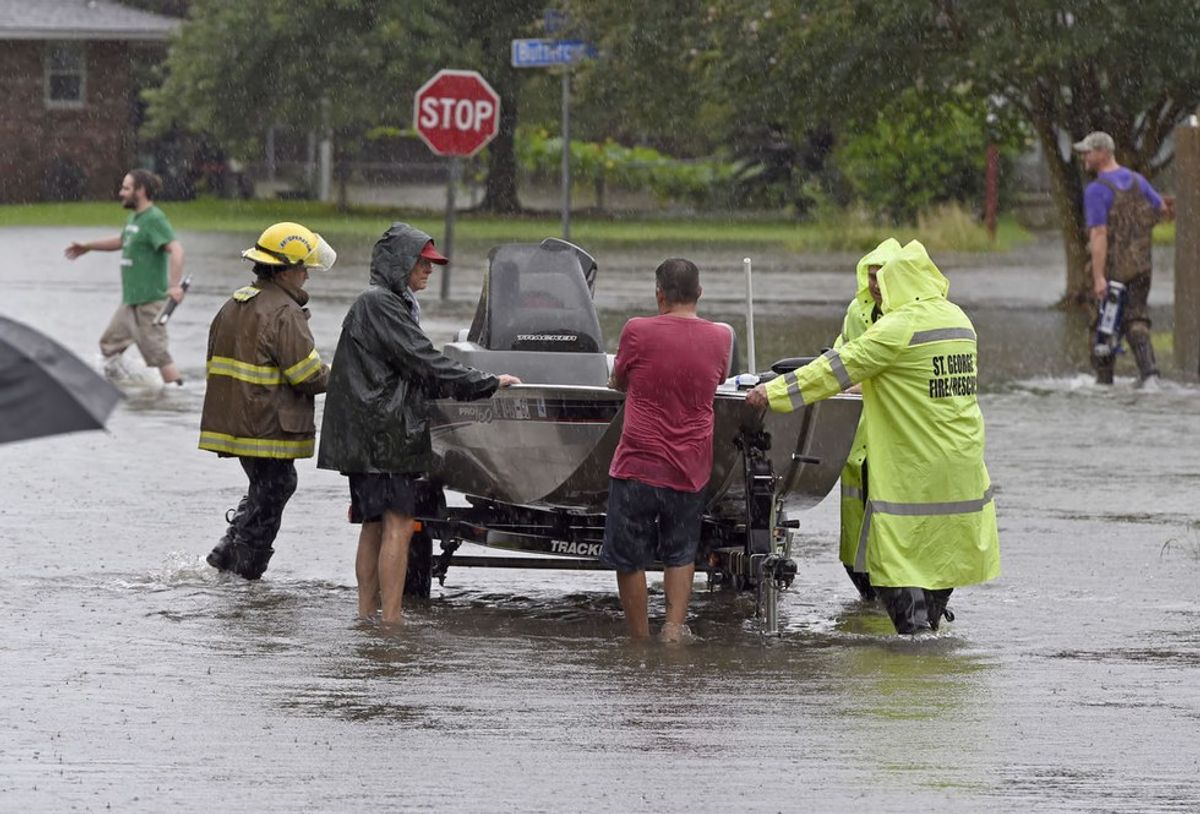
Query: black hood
[(394, 256)]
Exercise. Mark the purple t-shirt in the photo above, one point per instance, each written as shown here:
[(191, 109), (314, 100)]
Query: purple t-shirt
[(1098, 198)]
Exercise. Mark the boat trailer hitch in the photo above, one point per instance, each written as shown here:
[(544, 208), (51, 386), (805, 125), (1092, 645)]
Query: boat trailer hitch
[(441, 563), (760, 490), (780, 570), (767, 542)]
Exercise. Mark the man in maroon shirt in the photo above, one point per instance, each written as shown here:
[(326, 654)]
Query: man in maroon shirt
[(669, 366)]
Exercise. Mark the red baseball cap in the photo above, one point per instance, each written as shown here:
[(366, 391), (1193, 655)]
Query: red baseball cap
[(433, 255)]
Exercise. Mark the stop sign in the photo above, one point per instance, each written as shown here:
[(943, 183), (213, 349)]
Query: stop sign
[(456, 112)]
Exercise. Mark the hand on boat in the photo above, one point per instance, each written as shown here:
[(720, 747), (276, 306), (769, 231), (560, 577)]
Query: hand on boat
[(757, 396), (508, 381)]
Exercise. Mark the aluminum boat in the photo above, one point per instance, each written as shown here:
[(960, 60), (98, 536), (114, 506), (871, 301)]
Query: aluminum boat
[(548, 442), (533, 460)]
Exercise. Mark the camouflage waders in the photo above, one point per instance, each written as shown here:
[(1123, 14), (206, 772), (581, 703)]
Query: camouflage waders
[(1130, 225)]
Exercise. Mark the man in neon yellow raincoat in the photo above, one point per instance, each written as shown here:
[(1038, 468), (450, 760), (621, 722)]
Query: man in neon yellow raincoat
[(862, 312), (930, 521)]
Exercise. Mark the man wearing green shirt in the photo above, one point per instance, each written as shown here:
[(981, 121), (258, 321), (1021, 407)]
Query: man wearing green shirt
[(151, 271)]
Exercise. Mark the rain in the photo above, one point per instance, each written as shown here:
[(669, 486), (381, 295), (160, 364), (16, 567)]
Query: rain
[(137, 677)]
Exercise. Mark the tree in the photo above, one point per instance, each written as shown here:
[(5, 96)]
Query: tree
[(1065, 67), (922, 151), (239, 66), (484, 30), (341, 66), (650, 84)]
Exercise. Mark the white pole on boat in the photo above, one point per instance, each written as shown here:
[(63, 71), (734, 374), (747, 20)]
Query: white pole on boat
[(749, 318)]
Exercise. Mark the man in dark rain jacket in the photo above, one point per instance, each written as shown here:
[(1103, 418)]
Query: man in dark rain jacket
[(263, 374), (375, 428)]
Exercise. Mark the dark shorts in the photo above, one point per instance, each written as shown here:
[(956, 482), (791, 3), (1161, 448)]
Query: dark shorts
[(648, 523), (373, 494)]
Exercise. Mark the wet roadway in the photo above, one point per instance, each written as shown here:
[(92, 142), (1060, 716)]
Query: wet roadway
[(136, 679)]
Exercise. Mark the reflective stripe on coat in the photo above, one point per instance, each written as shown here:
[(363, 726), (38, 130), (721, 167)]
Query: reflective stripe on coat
[(930, 520), (263, 373)]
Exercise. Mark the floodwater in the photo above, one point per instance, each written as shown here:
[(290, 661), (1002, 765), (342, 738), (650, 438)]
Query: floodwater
[(136, 679)]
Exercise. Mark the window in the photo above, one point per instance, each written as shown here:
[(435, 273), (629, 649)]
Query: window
[(66, 73)]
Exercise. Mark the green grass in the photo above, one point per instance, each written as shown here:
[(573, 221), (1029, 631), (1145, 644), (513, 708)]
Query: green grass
[(946, 228), (1164, 234), (949, 229)]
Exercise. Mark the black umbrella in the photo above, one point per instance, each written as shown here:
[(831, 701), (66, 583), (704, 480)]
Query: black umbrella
[(45, 389)]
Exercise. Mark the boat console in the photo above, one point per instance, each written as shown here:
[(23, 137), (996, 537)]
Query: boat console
[(535, 317)]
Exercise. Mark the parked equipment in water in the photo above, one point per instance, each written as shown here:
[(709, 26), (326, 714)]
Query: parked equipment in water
[(533, 460)]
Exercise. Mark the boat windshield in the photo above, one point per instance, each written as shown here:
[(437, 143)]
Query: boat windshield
[(537, 297)]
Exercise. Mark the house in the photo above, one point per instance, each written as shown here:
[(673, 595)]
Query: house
[(69, 82)]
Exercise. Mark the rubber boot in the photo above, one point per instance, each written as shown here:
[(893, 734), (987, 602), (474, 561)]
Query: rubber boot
[(1104, 365), (1143, 354), (862, 582), (247, 561), (908, 609), (937, 601), (219, 558)]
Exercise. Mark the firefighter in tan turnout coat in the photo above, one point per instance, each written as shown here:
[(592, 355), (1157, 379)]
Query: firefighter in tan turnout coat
[(263, 374)]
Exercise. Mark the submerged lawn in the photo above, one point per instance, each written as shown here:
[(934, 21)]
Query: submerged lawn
[(850, 233)]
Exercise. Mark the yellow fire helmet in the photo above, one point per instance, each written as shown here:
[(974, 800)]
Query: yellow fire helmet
[(290, 244)]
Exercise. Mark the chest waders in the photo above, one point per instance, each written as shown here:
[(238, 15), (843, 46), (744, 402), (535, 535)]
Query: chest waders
[(1131, 222)]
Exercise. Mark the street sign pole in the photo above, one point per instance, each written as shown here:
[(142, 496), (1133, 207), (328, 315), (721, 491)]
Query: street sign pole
[(566, 152), (451, 214), (536, 53)]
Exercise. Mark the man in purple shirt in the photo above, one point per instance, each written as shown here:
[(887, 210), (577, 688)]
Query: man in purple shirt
[(1121, 209)]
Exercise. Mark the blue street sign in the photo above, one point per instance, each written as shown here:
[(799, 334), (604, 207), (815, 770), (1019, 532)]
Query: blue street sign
[(544, 53)]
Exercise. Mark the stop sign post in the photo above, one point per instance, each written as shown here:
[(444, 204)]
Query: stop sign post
[(456, 113)]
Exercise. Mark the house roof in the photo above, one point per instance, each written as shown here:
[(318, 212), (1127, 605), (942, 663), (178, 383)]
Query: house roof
[(80, 20)]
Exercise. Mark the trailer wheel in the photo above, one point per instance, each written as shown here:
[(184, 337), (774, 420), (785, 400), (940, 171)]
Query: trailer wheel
[(419, 580)]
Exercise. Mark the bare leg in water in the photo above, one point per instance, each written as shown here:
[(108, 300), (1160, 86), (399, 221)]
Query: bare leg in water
[(677, 584), (382, 565), (631, 585)]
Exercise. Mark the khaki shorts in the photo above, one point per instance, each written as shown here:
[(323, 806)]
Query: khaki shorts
[(134, 325)]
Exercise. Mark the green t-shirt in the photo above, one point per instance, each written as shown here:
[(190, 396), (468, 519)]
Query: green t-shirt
[(143, 261)]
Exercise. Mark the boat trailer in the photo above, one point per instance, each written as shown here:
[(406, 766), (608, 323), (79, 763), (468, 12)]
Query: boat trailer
[(747, 553)]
